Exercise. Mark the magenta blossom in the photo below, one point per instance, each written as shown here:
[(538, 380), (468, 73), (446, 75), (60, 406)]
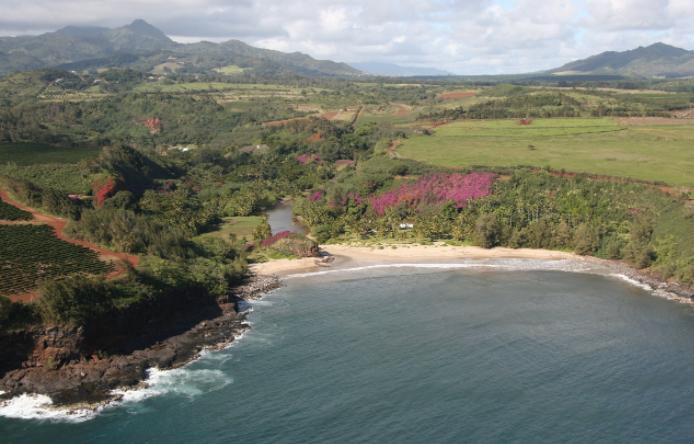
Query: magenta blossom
[(316, 196), (435, 190), (275, 238)]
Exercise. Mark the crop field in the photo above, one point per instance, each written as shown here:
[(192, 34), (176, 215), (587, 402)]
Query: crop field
[(240, 89), (653, 152), (37, 153), (10, 212), (395, 114), (68, 178), (32, 253)]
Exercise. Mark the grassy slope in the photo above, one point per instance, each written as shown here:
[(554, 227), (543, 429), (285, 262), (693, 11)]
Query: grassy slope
[(36, 153), (242, 227), (600, 146)]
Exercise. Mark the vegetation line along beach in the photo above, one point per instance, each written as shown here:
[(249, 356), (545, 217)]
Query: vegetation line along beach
[(151, 189)]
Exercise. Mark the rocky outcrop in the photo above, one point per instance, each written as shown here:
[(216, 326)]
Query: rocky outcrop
[(62, 363)]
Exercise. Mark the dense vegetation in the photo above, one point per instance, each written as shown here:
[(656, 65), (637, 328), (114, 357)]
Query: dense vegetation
[(180, 171), (525, 208)]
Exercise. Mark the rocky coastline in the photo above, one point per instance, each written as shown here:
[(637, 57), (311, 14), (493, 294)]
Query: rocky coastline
[(57, 368)]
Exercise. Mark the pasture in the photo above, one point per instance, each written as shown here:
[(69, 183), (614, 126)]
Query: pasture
[(643, 150), (241, 227)]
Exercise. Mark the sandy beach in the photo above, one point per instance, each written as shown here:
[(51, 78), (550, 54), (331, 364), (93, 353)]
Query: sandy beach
[(350, 255)]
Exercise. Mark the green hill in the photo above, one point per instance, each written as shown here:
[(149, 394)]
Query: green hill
[(142, 46), (657, 60)]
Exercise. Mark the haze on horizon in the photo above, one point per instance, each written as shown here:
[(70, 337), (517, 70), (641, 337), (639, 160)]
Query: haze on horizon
[(460, 36)]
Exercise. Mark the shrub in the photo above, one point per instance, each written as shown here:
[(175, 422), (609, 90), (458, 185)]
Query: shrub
[(268, 242), (436, 189), (488, 231)]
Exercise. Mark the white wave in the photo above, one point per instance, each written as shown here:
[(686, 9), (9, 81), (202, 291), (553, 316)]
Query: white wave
[(40, 407), (632, 281), (183, 382), (506, 264), (180, 382), (673, 297)]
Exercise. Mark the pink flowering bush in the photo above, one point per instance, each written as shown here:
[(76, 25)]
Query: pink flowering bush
[(275, 238), (435, 190), (316, 196), (352, 197)]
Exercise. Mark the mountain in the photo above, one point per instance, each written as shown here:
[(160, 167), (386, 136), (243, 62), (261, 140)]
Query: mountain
[(140, 45), (657, 60), (393, 70)]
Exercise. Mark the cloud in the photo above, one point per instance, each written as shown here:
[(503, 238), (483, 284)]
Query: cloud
[(463, 36)]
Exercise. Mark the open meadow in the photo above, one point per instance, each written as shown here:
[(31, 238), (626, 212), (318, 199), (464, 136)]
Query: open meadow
[(651, 150)]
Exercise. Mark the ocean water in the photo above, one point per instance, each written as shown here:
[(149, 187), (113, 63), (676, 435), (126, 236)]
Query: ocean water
[(413, 355)]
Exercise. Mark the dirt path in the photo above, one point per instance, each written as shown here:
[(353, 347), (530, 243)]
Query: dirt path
[(58, 224)]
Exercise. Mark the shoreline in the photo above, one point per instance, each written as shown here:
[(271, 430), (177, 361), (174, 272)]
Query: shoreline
[(349, 256), (221, 332), (89, 384)]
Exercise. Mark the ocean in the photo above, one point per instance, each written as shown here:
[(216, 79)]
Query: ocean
[(413, 355)]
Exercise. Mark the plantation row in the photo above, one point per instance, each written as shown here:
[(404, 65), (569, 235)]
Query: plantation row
[(9, 212), (32, 253)]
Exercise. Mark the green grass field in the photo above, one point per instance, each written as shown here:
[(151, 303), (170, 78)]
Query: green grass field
[(37, 153), (230, 70), (599, 146), (242, 227), (198, 87)]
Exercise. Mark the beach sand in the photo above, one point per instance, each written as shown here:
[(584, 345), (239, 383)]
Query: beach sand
[(367, 255)]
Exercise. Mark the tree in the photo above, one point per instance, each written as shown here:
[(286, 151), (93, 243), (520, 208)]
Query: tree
[(586, 240), (262, 231), (488, 231)]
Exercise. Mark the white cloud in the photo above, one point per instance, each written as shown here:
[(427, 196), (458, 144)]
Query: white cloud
[(464, 36)]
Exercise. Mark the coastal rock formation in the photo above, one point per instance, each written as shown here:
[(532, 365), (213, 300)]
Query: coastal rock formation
[(61, 363)]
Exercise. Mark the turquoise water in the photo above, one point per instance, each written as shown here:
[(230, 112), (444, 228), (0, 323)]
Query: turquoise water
[(425, 356)]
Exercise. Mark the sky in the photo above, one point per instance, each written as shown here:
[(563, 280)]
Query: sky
[(460, 36)]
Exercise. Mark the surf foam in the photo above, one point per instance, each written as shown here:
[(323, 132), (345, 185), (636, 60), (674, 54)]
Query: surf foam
[(183, 382), (40, 407), (505, 264)]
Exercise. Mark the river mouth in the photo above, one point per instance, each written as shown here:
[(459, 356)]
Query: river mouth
[(413, 354), (281, 218)]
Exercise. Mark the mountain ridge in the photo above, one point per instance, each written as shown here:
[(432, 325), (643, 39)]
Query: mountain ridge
[(395, 70), (656, 60), (143, 46)]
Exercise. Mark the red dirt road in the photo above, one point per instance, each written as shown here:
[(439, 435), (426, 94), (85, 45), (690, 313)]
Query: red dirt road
[(58, 225)]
